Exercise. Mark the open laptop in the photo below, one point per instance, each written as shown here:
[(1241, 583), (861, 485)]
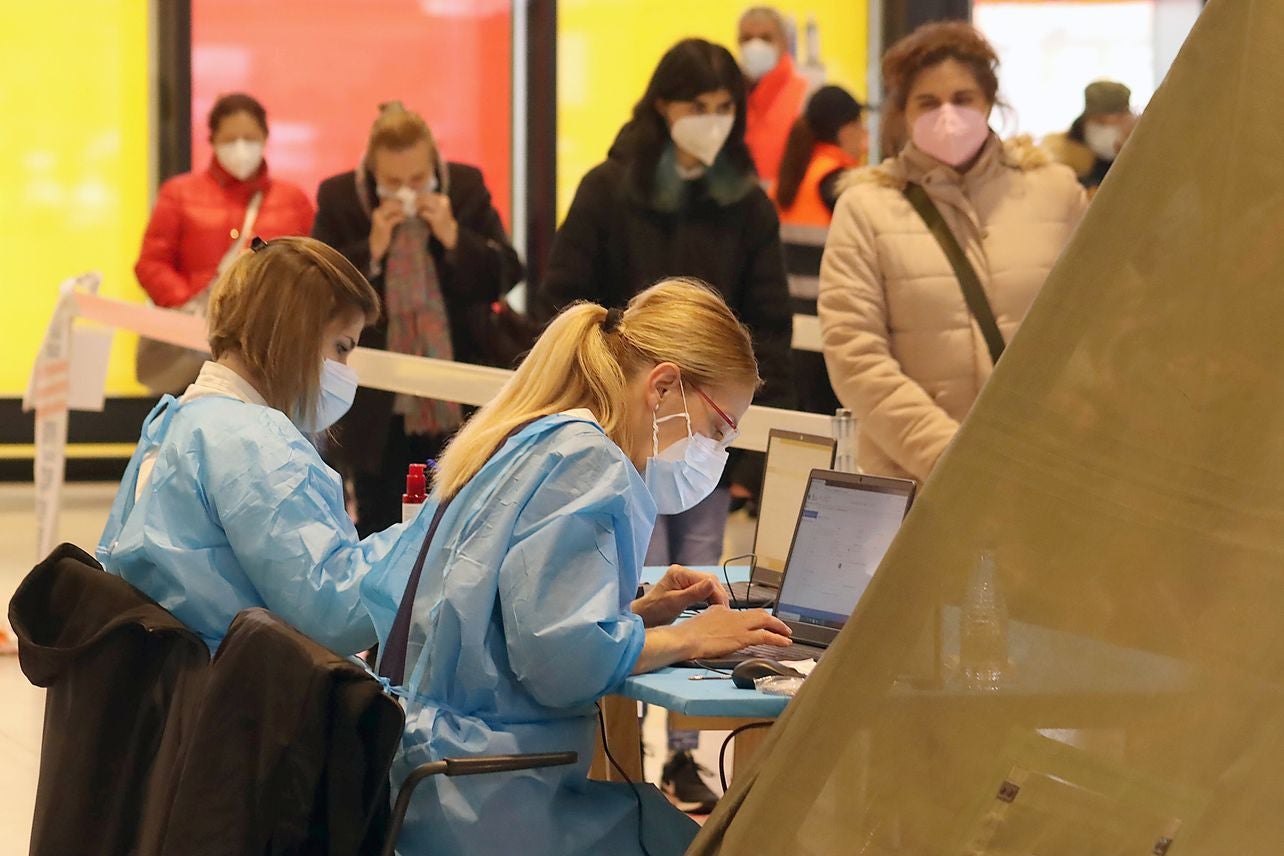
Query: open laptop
[(791, 457), (846, 523)]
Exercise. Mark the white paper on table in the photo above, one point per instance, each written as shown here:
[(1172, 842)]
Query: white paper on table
[(804, 666)]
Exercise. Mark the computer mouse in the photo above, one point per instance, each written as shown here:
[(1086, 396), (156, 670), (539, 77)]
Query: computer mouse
[(749, 671)]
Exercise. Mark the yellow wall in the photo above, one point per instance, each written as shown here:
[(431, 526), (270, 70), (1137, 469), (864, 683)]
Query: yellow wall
[(607, 49), (73, 166)]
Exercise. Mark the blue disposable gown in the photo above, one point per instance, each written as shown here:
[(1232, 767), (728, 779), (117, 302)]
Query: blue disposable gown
[(240, 511), (521, 622)]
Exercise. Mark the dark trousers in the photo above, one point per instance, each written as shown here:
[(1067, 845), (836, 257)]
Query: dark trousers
[(811, 379), (378, 494)]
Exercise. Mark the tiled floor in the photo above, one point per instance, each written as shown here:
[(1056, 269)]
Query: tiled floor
[(85, 508)]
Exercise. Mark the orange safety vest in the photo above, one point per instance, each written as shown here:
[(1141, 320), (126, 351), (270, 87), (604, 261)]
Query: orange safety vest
[(771, 108), (808, 208), (804, 226)]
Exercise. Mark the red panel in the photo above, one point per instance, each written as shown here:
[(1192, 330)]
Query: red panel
[(322, 67)]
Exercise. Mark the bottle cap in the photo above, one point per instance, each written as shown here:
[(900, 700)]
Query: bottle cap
[(416, 485)]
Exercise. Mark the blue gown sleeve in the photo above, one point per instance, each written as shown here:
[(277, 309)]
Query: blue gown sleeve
[(283, 512), (570, 632)]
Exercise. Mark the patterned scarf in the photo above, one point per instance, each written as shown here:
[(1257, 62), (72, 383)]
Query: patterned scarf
[(417, 322)]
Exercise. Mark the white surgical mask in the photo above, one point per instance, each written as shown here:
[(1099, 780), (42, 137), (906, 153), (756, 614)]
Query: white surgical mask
[(1103, 140), (241, 158), (685, 473), (702, 137), (338, 388), (757, 57)]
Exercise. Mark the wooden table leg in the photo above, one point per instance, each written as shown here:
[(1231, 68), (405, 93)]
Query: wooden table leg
[(746, 743), (624, 733)]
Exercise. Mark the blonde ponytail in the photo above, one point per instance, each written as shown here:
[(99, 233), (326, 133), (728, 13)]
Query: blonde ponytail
[(579, 363)]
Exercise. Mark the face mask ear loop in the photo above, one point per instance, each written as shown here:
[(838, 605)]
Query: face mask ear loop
[(655, 432), (686, 411)]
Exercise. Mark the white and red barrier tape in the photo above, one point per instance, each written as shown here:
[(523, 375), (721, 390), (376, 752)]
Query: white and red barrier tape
[(52, 382)]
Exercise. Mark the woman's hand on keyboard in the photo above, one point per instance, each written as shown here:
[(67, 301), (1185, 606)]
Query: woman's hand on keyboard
[(715, 632), (676, 592), (718, 631)]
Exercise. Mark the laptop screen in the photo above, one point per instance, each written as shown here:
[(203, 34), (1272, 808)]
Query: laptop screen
[(790, 460), (846, 526)]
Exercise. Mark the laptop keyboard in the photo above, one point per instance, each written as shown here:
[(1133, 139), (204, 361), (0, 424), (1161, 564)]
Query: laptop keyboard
[(774, 652), (758, 595)]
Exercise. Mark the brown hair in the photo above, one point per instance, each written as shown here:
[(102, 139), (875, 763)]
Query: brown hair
[(236, 102), (398, 129), (928, 46), (271, 308), (578, 362)]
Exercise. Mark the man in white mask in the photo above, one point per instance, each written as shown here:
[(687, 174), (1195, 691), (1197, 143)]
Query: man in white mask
[(1097, 136), (777, 91)]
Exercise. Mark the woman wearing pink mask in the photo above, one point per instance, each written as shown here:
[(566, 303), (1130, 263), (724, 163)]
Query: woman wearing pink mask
[(904, 350)]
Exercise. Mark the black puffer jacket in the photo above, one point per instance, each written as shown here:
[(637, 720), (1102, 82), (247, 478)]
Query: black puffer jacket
[(721, 228)]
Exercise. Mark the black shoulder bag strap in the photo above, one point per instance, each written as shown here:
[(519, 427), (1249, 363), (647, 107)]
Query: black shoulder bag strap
[(977, 303), (392, 659)]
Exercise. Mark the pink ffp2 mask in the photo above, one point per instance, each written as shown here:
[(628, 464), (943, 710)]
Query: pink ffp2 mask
[(953, 135)]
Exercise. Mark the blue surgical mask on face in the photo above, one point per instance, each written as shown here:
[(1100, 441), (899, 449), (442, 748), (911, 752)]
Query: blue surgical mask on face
[(686, 472), (338, 389)]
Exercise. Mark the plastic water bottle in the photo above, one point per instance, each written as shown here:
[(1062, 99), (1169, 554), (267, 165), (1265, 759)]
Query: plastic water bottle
[(845, 441), (983, 630)]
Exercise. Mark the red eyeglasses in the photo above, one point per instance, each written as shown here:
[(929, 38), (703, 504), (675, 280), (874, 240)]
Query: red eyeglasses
[(722, 414)]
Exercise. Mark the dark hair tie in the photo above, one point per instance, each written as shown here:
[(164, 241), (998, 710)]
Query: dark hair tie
[(257, 244), (613, 319)]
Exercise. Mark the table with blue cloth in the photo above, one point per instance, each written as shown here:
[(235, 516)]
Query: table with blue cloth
[(716, 705)]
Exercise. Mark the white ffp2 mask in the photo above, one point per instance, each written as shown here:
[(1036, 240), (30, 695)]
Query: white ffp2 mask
[(241, 158), (1103, 140), (757, 57), (702, 137)]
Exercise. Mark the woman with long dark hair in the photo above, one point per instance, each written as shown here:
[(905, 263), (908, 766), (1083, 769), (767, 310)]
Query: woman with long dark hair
[(678, 196)]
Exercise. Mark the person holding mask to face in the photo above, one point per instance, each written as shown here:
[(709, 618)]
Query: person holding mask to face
[(202, 222), (424, 231), (902, 348), (510, 606), (226, 504), (777, 90), (1094, 140)]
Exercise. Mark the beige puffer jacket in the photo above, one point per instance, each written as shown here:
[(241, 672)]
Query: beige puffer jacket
[(901, 347)]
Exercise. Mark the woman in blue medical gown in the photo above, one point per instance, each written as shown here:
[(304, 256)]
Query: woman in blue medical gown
[(508, 607), (225, 504)]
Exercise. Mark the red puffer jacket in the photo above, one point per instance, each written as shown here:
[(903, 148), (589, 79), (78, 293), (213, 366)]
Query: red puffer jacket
[(197, 218)]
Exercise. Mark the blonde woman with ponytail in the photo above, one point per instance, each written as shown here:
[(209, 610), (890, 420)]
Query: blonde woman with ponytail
[(509, 606)]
